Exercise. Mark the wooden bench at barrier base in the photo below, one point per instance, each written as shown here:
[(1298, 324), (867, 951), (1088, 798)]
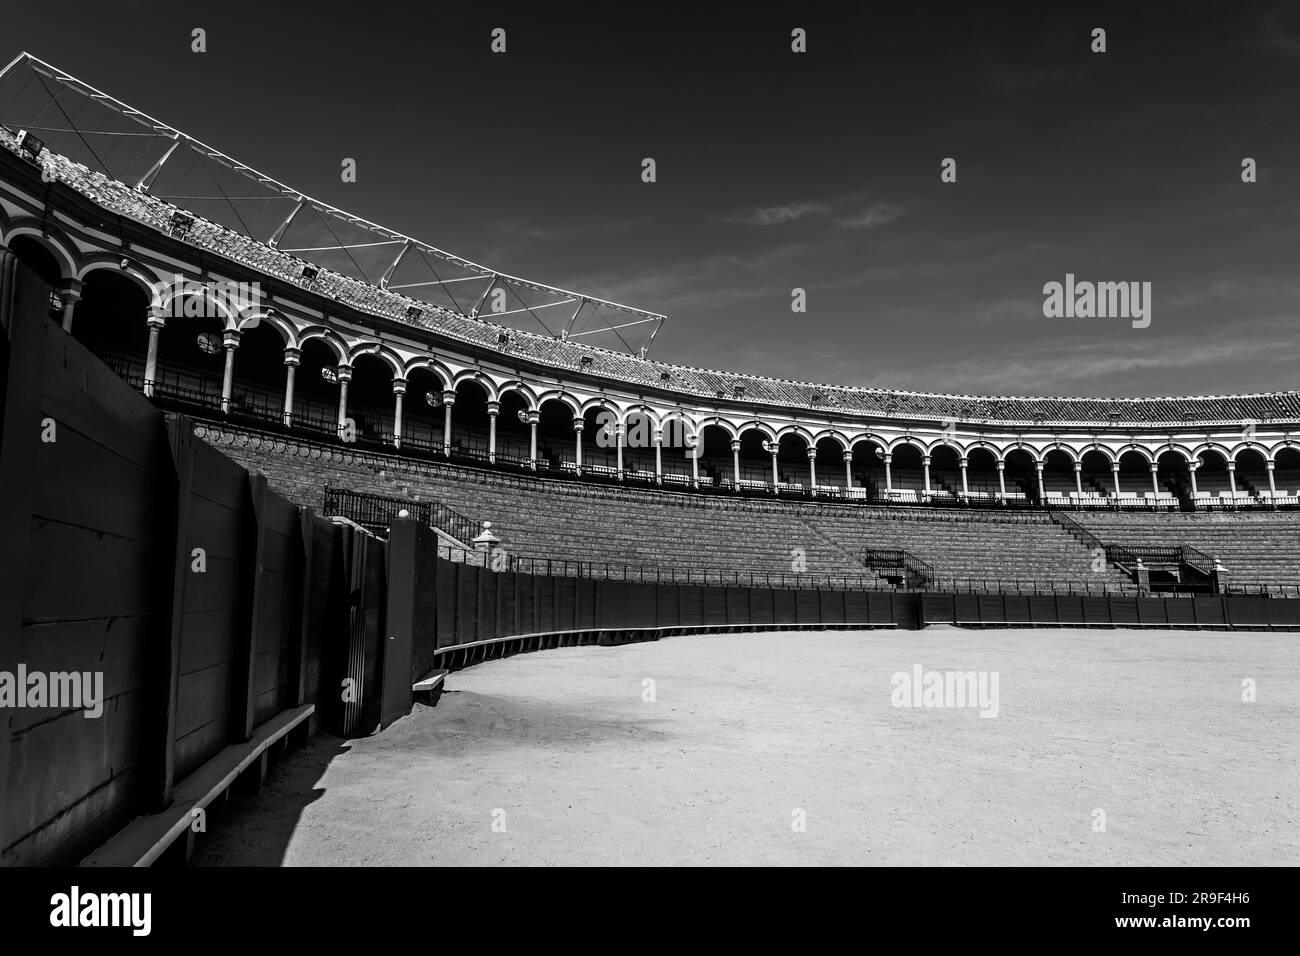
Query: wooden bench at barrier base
[(430, 688), (457, 656), (1129, 626), (145, 840)]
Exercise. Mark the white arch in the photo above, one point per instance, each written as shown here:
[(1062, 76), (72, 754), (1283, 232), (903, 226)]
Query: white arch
[(49, 237)]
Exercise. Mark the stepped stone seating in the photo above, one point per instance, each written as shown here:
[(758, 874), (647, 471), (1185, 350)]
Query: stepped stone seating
[(572, 522), (1257, 548)]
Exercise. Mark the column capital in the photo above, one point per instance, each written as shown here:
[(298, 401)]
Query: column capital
[(657, 436), (399, 386), (69, 290), (230, 339), (735, 444), (343, 373), (1269, 464), (155, 321), (448, 397), (579, 424), (1078, 466), (494, 409), (1002, 465), (1232, 466), (925, 459), (1155, 466), (812, 454), (292, 356), (848, 456), (963, 462)]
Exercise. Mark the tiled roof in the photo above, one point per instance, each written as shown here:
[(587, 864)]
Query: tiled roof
[(688, 382)]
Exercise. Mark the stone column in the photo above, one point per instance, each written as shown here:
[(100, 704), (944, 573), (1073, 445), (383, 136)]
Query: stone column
[(1078, 477), (812, 469), (70, 293), (1042, 489), (1272, 485), (620, 434), (1155, 480), (532, 418), (1114, 472), (889, 478), (848, 469), (291, 359), (965, 486), (925, 471), (155, 323), (344, 376), (1191, 473), (735, 463), (399, 391), (493, 410), (578, 426), (1002, 480), (693, 449), (659, 456), (448, 400), (231, 342), (1232, 477), (774, 448)]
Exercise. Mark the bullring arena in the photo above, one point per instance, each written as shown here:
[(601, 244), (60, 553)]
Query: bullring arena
[(372, 577)]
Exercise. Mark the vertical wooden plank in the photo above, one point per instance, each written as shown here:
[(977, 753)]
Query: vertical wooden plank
[(20, 434), (181, 439), (306, 518), (399, 634), (243, 710)]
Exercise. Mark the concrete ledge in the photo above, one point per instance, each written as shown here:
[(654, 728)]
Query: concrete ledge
[(145, 839)]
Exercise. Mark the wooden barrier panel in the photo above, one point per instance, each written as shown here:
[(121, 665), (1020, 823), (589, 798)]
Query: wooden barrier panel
[(1123, 610), (487, 604), (808, 608), (935, 609), (715, 606), (1016, 608), (1042, 608), (1069, 609), (1151, 611), (691, 603), (737, 600), (992, 608), (1209, 610), (546, 601), (81, 482), (467, 629), (762, 606), (1096, 610), (1284, 613), (882, 608), (586, 604), (831, 607), (507, 603), (667, 608), (784, 606), (1180, 611)]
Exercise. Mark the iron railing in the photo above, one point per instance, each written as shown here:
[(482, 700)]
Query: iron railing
[(884, 559)]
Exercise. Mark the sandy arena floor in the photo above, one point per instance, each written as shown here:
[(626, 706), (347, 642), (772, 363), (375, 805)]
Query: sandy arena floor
[(748, 733)]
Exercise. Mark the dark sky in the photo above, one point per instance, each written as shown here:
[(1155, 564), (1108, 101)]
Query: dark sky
[(778, 170)]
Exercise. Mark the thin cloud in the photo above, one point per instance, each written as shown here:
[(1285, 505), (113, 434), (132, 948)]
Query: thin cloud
[(777, 215), (876, 215)]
